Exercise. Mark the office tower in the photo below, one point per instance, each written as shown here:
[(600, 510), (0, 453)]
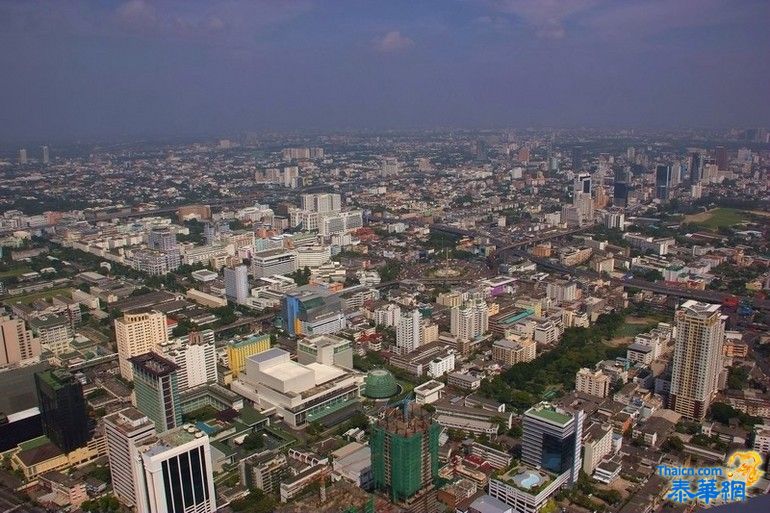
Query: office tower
[(138, 333), (46, 157), (663, 182), (676, 174), (312, 310), (62, 409), (582, 200), (16, 342), (237, 284), (175, 473), (156, 390), (196, 356), (22, 156), (523, 155), (697, 360), (720, 157), (123, 430), (695, 167), (241, 348), (161, 239), (408, 331), (631, 153), (470, 320), (404, 446), (577, 157), (552, 439)]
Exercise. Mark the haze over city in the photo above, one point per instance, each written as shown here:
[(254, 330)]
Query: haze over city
[(140, 68), (458, 256)]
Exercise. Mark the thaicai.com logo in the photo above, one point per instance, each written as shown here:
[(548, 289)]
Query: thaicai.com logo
[(714, 484)]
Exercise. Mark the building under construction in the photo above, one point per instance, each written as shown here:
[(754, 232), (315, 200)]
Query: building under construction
[(405, 462)]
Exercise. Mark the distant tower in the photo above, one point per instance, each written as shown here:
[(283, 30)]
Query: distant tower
[(405, 457), (663, 181), (22, 156), (237, 283), (408, 331), (720, 156), (62, 409), (46, 157), (697, 361), (157, 390)]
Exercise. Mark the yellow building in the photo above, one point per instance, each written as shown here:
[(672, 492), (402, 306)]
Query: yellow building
[(138, 333), (39, 455), (240, 349)]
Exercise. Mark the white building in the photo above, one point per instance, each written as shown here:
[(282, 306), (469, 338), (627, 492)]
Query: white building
[(176, 473), (470, 321), (408, 331), (387, 315), (196, 356), (123, 430), (313, 256), (273, 261), (237, 284)]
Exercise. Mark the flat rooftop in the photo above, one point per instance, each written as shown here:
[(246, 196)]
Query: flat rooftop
[(550, 414)]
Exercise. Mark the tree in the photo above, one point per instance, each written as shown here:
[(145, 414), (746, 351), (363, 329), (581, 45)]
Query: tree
[(253, 442)]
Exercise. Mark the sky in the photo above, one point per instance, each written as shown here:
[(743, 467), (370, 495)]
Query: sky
[(138, 68)]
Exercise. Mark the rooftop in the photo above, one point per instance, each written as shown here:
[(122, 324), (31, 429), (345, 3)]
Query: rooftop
[(550, 414)]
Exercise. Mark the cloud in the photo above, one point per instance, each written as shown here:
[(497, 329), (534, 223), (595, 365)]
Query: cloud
[(137, 15), (392, 42), (546, 17)]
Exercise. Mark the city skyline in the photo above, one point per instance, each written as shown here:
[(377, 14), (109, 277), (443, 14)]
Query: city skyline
[(133, 69)]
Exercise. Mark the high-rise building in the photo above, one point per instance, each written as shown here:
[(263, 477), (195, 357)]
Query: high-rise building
[(325, 349), (22, 156), (697, 361), (663, 182), (237, 283), (720, 156), (175, 473), (156, 390), (16, 342), (404, 446), (582, 200), (577, 157), (470, 321), (321, 203), (123, 431), (138, 333), (695, 167), (46, 156), (196, 356), (241, 348), (408, 331), (62, 409), (552, 439)]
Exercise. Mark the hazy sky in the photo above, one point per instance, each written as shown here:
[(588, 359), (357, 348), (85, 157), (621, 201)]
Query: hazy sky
[(127, 68)]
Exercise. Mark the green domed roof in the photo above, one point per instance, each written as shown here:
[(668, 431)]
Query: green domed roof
[(380, 384)]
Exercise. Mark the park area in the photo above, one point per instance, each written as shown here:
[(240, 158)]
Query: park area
[(717, 218)]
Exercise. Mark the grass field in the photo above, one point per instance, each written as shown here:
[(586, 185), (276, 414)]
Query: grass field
[(42, 294), (717, 218), (16, 271)]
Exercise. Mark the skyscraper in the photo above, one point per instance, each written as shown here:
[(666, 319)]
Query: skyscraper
[(46, 157), (697, 361), (582, 200), (695, 167), (408, 331), (405, 457), (62, 409), (175, 473), (138, 333), (663, 182), (196, 356), (577, 157), (156, 390), (720, 156), (22, 156), (123, 431), (237, 283), (552, 439), (16, 342)]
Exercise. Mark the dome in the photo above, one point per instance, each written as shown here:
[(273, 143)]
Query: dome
[(380, 384)]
